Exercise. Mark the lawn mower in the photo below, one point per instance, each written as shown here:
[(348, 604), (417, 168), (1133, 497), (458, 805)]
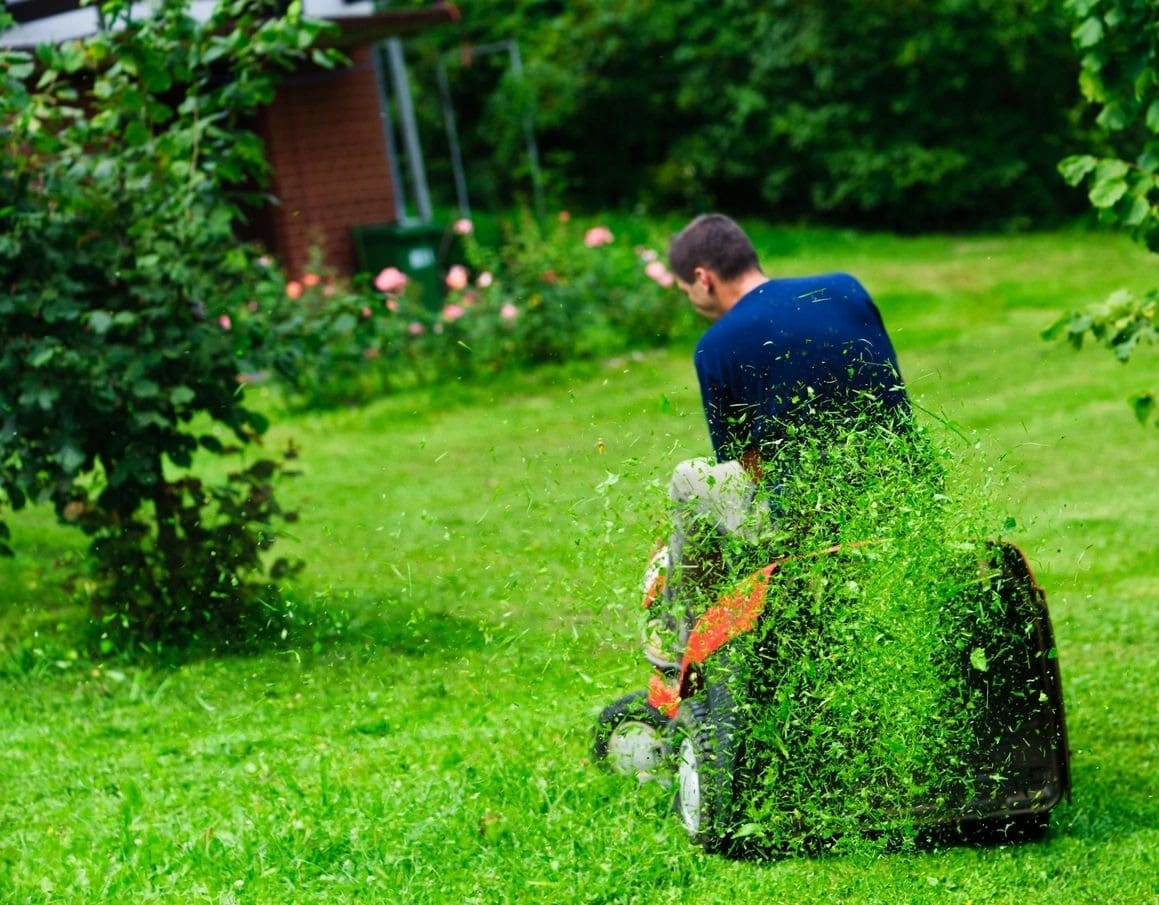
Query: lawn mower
[(700, 725)]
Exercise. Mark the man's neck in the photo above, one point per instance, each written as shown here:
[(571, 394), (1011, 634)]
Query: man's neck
[(734, 290)]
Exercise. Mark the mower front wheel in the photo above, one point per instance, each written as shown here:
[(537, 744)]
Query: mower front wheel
[(633, 739), (706, 768)]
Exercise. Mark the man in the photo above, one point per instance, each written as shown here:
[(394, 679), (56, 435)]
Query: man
[(780, 355)]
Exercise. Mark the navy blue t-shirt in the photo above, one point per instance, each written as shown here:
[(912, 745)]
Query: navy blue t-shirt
[(789, 348)]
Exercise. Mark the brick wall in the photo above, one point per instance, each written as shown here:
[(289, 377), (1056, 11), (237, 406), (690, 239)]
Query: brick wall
[(324, 140)]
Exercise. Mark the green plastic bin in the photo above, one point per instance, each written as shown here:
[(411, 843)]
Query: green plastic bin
[(411, 247)]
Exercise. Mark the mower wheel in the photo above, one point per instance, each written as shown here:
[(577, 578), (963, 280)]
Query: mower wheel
[(706, 767), (632, 738)]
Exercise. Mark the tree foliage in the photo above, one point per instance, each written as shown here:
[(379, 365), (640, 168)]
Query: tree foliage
[(1119, 43), (122, 159), (907, 113)]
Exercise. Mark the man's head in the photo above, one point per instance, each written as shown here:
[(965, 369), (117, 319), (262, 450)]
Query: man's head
[(713, 241), (714, 263)]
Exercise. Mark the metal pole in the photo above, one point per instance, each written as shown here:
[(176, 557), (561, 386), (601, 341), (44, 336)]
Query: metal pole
[(511, 47), (410, 132), (529, 134), (453, 139), (399, 188)]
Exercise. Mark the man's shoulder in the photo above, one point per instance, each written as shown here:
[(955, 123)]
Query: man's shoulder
[(836, 282)]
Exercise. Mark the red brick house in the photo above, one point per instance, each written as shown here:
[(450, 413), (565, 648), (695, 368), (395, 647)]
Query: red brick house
[(326, 134)]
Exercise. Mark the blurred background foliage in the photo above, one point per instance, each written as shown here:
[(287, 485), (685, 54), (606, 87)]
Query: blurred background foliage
[(903, 114)]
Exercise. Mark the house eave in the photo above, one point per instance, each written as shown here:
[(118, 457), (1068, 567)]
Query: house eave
[(55, 21)]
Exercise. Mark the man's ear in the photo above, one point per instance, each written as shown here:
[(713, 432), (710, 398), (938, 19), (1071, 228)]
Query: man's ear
[(705, 278)]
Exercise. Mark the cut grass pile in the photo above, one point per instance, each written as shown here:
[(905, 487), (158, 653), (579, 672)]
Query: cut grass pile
[(470, 604)]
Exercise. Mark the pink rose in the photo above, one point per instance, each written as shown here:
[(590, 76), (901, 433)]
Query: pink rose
[(294, 289), (311, 279), (647, 254), (365, 312), (414, 328), (597, 236), (453, 312), (457, 277), (658, 272), (391, 305), (485, 279), (224, 322), (391, 280), (509, 312), (463, 227)]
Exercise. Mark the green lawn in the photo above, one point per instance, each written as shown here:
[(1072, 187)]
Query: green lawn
[(471, 595)]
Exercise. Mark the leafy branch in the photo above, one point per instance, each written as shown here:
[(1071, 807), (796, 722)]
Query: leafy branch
[(1118, 41)]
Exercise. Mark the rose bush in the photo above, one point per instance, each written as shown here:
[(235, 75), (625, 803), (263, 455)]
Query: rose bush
[(541, 294)]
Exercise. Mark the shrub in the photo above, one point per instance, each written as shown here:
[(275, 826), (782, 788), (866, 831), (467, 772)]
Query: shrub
[(121, 176), (905, 114), (541, 295), (561, 292), (1119, 44), (334, 342)]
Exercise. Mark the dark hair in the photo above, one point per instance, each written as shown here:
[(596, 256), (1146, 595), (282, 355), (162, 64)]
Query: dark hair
[(713, 241)]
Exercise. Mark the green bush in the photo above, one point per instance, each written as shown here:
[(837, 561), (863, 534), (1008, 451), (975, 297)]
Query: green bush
[(332, 341), (1119, 44), (903, 114), (541, 294), (123, 162)]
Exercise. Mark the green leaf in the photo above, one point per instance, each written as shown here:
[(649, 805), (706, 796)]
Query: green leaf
[(259, 422), (1153, 116), (1143, 405), (70, 458), (99, 322), (210, 442), (1135, 212), (1113, 118), (181, 395), (263, 469), (1089, 33), (136, 133), (1074, 168), (156, 78), (22, 69), (72, 56), (1110, 184), (1056, 329), (978, 660), (146, 389), (42, 356)]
